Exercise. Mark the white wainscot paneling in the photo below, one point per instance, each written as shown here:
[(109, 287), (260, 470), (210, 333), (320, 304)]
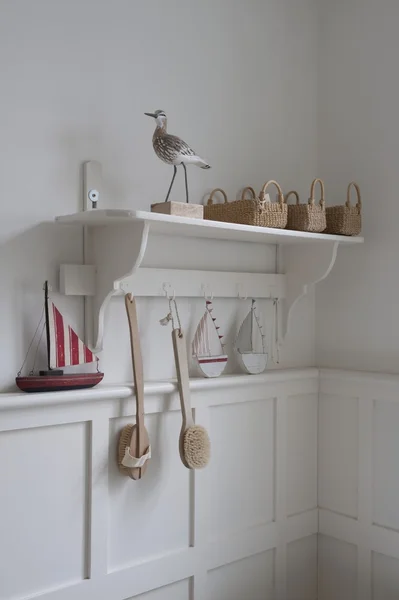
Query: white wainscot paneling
[(370, 424), (338, 454), (242, 468), (301, 455), (175, 591), (43, 474), (81, 530), (251, 578), (385, 464), (337, 569), (302, 569), (150, 517), (385, 577)]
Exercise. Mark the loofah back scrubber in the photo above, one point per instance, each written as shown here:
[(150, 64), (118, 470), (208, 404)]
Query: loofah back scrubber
[(196, 447), (194, 443)]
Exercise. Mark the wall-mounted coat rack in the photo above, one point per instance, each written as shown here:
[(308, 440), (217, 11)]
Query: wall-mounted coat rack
[(116, 242), (181, 283)]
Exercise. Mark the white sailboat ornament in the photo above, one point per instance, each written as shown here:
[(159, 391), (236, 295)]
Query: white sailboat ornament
[(250, 343), (207, 347)]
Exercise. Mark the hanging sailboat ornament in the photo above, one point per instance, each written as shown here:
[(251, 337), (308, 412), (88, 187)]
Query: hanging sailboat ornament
[(64, 349), (207, 346), (250, 343)]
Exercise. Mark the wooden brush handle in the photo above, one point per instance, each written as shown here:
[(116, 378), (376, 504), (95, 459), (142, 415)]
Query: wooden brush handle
[(138, 375), (183, 382)]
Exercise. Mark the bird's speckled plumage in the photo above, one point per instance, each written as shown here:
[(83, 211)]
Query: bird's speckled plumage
[(172, 149)]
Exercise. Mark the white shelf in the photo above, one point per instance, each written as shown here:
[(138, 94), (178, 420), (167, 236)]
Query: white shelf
[(116, 242), (181, 226)]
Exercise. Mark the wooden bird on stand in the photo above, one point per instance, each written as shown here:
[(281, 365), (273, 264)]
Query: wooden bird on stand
[(173, 150)]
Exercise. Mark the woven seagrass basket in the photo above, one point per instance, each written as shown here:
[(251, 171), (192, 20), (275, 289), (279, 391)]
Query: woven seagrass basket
[(275, 214), (346, 219), (248, 211), (307, 217)]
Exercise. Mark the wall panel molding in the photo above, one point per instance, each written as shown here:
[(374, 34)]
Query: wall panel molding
[(370, 404), (166, 532)]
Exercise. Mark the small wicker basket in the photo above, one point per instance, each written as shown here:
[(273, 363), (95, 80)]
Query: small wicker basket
[(346, 219), (248, 211), (275, 214), (307, 217), (218, 212)]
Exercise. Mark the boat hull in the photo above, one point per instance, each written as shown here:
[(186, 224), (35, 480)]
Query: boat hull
[(253, 362), (212, 366), (58, 383)]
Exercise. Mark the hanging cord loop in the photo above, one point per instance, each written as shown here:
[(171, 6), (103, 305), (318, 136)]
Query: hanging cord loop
[(170, 316)]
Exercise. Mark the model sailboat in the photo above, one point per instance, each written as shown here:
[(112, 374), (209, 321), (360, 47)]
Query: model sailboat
[(250, 343), (64, 349), (207, 346)]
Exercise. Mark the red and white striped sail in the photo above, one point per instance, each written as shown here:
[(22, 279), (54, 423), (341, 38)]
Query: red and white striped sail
[(66, 348)]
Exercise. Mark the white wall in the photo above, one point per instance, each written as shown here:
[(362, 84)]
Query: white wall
[(358, 132), (356, 306), (358, 486), (238, 81)]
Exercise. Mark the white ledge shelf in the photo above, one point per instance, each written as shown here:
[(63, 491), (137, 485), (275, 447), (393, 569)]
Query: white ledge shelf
[(115, 244), (201, 228)]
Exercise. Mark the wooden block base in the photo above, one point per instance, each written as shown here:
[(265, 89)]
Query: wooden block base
[(179, 209)]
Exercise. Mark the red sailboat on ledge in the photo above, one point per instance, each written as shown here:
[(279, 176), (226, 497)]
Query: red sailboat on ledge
[(64, 349)]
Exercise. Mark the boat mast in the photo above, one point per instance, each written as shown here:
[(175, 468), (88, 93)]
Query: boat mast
[(252, 323), (47, 323)]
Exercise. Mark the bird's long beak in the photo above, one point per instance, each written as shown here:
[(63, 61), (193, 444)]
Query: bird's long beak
[(150, 115)]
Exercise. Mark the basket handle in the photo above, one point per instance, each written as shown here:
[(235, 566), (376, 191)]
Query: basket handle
[(348, 195), (251, 189), (312, 187), (264, 188), (213, 192), (292, 193)]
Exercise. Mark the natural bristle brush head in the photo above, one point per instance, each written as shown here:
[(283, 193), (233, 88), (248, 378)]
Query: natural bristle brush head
[(124, 442), (194, 443), (196, 447)]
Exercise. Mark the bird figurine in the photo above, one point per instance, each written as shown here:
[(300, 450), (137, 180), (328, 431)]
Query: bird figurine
[(173, 150)]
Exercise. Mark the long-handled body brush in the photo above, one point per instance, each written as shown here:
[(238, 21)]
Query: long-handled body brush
[(134, 450), (194, 443)]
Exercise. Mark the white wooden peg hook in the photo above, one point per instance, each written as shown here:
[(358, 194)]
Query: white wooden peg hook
[(242, 294), (169, 291), (206, 294)]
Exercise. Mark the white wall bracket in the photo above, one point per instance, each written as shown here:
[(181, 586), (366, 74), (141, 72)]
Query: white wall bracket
[(116, 253), (304, 267), (115, 243)]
